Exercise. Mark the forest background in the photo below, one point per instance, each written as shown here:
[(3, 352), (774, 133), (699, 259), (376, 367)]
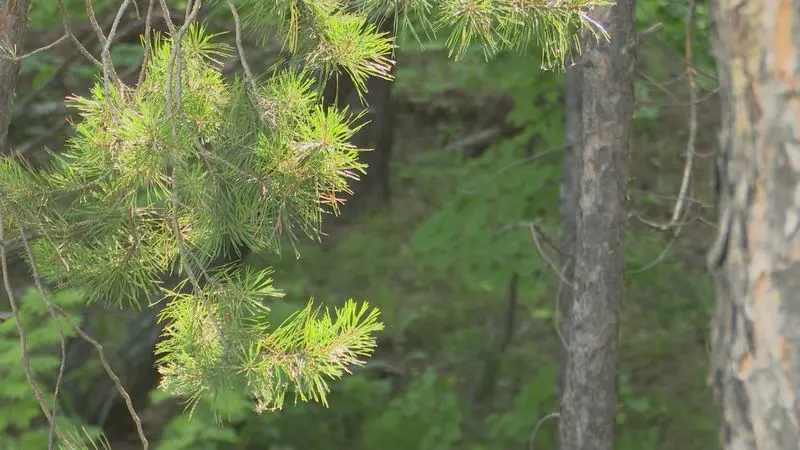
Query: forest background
[(468, 154)]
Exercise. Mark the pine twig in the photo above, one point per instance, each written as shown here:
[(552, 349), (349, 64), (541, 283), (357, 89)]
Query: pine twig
[(240, 48), (541, 421), (65, 23), (12, 299), (37, 279), (53, 308), (136, 419), (690, 145), (12, 51), (535, 236), (93, 21), (148, 45)]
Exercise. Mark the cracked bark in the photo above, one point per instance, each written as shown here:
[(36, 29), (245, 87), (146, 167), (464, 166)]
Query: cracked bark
[(755, 365), (589, 397)]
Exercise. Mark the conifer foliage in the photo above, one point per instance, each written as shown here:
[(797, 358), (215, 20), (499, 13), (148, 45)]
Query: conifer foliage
[(167, 176)]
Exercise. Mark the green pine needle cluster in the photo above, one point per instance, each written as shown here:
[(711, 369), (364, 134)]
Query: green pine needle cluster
[(328, 37), (550, 26), (153, 185)]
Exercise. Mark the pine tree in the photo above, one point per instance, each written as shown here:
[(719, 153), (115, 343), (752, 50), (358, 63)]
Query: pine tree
[(185, 166)]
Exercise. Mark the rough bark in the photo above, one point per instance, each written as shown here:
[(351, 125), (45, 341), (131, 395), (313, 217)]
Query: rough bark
[(755, 367), (13, 22), (570, 185), (589, 398)]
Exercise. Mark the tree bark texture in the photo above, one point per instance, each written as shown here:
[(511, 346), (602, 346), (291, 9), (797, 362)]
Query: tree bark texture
[(755, 367), (570, 185), (13, 22), (589, 398)]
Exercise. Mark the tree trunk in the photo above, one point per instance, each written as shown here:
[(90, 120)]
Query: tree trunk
[(589, 398), (13, 22), (755, 365), (570, 185)]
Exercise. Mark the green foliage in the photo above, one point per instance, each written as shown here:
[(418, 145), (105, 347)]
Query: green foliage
[(20, 411), (45, 14), (670, 43), (159, 180), (479, 234), (514, 428), (197, 431), (475, 236), (200, 430), (426, 417), (309, 26)]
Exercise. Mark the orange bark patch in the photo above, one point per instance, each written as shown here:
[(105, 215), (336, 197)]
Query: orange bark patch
[(785, 57), (785, 352), (745, 366)]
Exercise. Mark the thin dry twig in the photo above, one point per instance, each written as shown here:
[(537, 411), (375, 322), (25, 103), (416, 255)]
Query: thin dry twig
[(12, 299), (193, 279), (38, 281), (658, 85), (240, 48), (557, 307), (12, 51), (137, 421), (53, 308), (98, 31), (148, 45), (690, 145), (167, 18), (105, 55), (65, 23), (541, 421), (175, 60), (535, 236)]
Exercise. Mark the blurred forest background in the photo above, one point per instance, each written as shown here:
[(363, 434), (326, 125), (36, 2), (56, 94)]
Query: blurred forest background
[(467, 155)]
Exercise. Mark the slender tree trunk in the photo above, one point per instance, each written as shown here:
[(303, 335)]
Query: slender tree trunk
[(13, 22), (756, 332), (589, 398), (570, 185)]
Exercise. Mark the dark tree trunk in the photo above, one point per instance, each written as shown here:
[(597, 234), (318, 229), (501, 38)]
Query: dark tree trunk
[(570, 186), (13, 22), (755, 365), (589, 398), (378, 135)]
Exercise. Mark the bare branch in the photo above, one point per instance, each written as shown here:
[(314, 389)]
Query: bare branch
[(535, 236), (690, 145), (111, 374), (148, 45), (75, 41), (98, 31), (541, 421), (38, 280), (238, 28), (12, 299), (12, 51)]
